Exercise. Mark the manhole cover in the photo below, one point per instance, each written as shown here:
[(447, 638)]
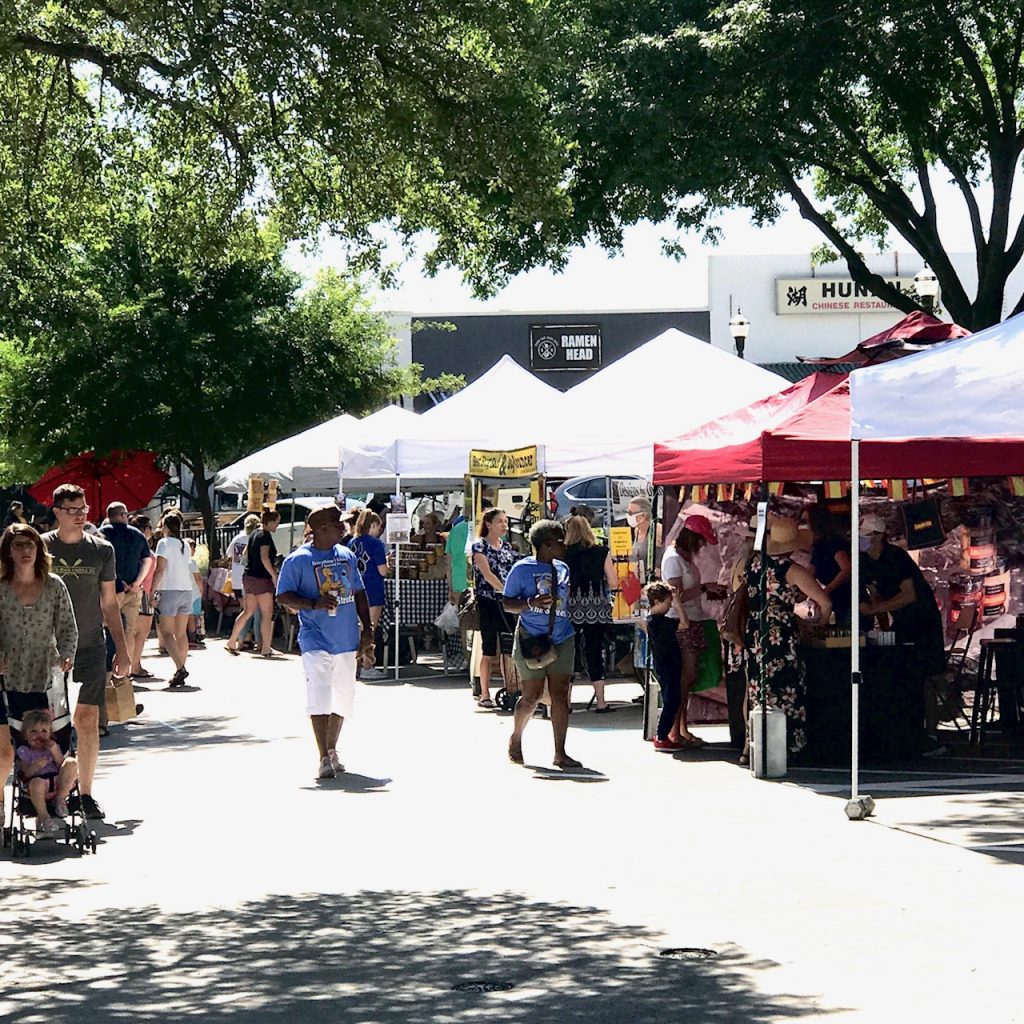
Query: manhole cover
[(688, 953), (483, 986)]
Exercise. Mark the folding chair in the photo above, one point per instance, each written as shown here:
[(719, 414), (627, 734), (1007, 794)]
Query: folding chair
[(960, 679)]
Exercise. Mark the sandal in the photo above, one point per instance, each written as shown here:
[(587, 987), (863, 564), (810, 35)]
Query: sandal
[(692, 741), (606, 710), (231, 650), (485, 703), (142, 674)]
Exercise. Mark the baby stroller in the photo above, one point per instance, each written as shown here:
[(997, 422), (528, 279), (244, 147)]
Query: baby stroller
[(16, 833)]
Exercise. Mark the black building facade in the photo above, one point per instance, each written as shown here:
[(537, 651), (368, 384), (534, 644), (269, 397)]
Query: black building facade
[(562, 349)]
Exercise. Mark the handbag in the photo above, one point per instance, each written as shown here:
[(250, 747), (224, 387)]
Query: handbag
[(469, 612), (737, 609), (539, 651)]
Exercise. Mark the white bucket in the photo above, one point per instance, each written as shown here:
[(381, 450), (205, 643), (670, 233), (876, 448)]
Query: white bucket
[(775, 730)]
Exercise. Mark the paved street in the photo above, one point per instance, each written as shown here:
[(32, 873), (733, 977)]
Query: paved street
[(231, 885)]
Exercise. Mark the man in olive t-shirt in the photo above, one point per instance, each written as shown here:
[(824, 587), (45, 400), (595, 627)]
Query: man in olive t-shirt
[(86, 564)]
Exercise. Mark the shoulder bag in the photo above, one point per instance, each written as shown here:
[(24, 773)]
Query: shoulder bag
[(539, 651)]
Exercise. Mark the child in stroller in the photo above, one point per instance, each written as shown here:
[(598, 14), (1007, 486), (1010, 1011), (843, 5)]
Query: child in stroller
[(47, 774)]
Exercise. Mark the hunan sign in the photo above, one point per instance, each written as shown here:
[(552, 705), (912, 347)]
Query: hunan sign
[(822, 295)]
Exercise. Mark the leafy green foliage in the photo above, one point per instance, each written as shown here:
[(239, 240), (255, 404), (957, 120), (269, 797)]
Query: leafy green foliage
[(198, 367), (191, 122), (677, 109)]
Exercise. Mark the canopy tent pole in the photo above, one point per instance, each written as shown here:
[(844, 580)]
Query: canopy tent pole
[(398, 584), (857, 807)]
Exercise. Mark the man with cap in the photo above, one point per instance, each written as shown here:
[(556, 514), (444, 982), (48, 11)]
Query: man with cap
[(897, 588), (320, 582)]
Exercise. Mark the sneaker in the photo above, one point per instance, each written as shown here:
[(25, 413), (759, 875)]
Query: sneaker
[(327, 770), (666, 746), (60, 809), (336, 764), (373, 674), (91, 809), (932, 747)]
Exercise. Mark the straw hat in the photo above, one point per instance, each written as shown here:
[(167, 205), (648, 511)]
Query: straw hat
[(784, 536)]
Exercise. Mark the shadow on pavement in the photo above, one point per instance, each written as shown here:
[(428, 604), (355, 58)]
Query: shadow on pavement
[(350, 782), (381, 958), (152, 734), (567, 774), (50, 852)]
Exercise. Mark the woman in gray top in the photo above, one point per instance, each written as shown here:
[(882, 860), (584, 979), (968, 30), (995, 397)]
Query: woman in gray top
[(37, 624)]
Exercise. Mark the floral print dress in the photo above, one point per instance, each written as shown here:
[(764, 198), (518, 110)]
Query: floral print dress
[(774, 652)]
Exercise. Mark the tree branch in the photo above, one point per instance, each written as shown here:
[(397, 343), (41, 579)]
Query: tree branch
[(966, 53), (114, 65), (859, 270)]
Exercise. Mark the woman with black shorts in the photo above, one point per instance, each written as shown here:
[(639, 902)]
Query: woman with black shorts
[(493, 558)]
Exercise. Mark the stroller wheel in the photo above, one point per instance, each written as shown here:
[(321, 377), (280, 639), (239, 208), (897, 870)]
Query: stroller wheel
[(92, 841), (506, 700)]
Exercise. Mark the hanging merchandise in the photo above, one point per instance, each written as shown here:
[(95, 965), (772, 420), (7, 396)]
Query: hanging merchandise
[(923, 524)]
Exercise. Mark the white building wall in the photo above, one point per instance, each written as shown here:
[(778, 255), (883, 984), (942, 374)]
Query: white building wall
[(748, 282)]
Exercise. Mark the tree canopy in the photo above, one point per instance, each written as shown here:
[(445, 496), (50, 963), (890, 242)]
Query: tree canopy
[(852, 110), (198, 367), (194, 121)]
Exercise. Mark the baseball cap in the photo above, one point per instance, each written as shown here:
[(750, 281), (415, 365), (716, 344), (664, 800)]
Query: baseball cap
[(700, 525), (871, 523)]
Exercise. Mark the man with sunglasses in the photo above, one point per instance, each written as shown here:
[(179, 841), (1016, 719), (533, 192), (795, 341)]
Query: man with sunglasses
[(86, 563)]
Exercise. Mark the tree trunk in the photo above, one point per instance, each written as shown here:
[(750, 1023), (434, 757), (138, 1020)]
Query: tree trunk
[(202, 499)]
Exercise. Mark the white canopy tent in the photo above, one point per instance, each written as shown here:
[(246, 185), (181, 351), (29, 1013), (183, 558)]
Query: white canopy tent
[(606, 425), (969, 387), (498, 410), (307, 461), (278, 460), (966, 388), (669, 385)]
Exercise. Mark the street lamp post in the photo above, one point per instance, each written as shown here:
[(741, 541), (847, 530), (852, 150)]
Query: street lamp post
[(926, 284), (739, 328)]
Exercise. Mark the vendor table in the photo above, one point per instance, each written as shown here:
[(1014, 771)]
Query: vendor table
[(891, 704), (422, 601)]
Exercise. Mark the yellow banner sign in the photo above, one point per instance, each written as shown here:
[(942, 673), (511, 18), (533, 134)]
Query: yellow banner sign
[(517, 463), (621, 540)]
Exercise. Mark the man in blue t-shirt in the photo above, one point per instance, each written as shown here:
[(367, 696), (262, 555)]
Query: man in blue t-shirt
[(321, 582)]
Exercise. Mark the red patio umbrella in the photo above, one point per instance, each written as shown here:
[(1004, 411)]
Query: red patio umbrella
[(129, 476)]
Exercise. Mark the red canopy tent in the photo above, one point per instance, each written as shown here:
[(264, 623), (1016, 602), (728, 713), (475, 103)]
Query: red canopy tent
[(812, 442), (915, 329)]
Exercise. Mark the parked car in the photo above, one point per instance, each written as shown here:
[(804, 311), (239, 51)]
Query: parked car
[(593, 492), (293, 518)]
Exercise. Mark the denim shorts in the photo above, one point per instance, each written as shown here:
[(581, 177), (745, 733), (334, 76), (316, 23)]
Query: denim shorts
[(175, 602)]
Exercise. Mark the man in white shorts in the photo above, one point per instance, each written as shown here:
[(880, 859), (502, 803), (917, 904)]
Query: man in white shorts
[(321, 582)]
